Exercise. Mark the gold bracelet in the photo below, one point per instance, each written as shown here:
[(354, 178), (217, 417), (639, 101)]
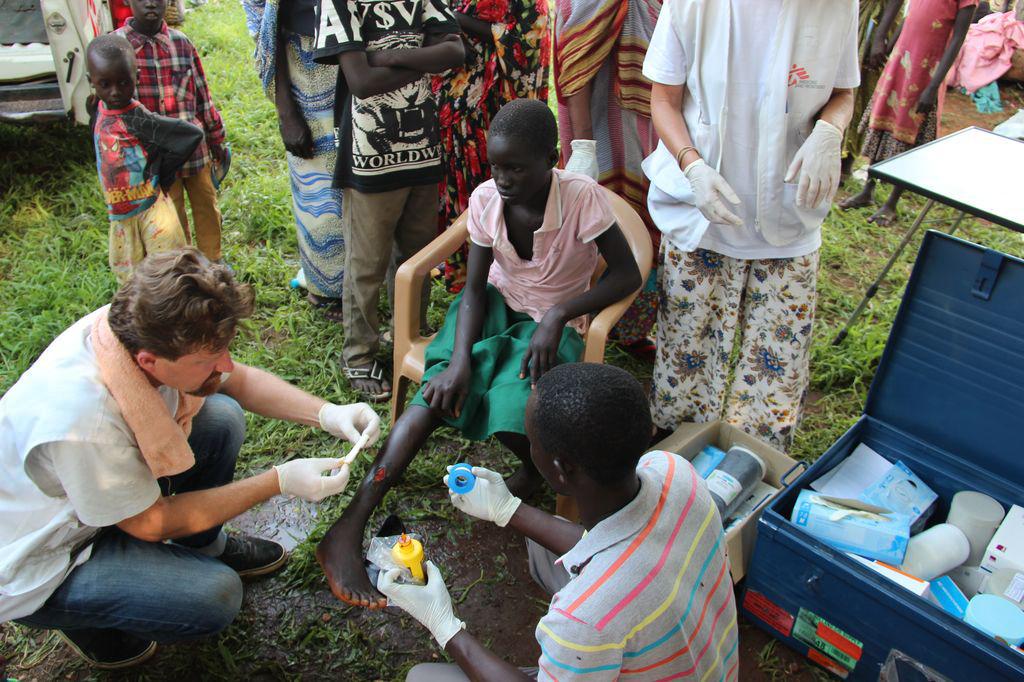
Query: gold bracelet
[(682, 152)]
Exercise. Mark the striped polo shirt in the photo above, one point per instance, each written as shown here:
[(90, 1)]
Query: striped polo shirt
[(650, 596)]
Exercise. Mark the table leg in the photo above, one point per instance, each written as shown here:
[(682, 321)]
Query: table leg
[(873, 289)]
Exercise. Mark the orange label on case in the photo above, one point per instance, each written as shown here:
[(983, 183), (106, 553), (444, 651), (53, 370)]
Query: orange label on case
[(768, 611), (827, 663), (838, 640)]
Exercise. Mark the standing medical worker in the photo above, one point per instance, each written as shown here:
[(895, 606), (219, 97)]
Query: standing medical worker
[(749, 100)]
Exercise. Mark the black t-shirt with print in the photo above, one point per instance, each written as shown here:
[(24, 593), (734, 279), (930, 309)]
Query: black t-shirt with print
[(391, 140)]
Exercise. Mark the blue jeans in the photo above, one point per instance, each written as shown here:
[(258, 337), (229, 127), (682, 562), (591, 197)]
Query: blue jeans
[(157, 591)]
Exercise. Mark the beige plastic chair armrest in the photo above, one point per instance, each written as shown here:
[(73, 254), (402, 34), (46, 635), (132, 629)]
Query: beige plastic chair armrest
[(411, 275), (601, 326)]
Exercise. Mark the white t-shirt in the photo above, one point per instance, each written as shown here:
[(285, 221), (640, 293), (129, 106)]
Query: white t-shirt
[(753, 29), (69, 465)]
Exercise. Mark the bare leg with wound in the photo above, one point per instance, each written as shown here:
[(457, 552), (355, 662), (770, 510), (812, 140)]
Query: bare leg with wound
[(340, 553)]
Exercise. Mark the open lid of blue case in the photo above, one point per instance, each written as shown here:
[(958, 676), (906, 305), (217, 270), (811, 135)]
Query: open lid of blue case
[(952, 373)]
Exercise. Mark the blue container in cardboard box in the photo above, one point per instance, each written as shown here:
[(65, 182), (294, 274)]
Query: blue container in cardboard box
[(947, 400)]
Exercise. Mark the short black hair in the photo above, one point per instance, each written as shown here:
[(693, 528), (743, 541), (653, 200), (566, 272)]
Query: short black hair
[(110, 48), (595, 415), (528, 121)]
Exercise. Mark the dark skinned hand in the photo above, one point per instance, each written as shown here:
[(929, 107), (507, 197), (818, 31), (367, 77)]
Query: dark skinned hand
[(542, 354), (448, 390), (929, 99), (877, 54), (295, 134)]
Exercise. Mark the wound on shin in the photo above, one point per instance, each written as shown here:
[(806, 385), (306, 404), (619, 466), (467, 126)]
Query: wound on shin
[(379, 475)]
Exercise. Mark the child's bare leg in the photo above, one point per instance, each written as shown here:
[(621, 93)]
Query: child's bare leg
[(526, 480), (340, 553)]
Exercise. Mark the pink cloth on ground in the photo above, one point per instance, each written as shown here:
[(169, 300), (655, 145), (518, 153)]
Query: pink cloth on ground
[(564, 252), (987, 51)]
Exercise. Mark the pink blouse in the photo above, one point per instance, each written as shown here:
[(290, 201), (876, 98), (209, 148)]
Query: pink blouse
[(564, 253)]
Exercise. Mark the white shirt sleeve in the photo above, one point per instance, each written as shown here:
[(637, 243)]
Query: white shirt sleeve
[(666, 62), (106, 484), (848, 75)]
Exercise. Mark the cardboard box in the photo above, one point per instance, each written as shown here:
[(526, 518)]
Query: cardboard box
[(689, 439)]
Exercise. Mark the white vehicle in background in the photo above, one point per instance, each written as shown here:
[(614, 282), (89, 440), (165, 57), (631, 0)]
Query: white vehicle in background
[(42, 57)]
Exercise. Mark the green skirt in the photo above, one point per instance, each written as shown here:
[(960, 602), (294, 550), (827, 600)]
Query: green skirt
[(497, 396)]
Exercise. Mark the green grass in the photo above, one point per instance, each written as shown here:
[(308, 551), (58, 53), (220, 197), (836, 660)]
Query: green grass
[(53, 270)]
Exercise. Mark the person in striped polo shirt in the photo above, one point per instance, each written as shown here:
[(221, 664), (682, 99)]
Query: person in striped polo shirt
[(641, 588)]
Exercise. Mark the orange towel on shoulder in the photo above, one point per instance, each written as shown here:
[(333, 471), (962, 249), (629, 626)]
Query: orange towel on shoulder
[(162, 438)]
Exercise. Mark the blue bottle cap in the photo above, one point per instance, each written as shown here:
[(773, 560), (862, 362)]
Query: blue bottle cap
[(461, 479)]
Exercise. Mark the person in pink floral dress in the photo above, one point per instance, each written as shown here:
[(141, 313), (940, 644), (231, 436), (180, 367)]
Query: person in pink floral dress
[(907, 105)]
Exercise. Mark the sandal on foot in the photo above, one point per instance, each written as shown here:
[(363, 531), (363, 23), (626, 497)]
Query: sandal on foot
[(328, 307), (374, 372)]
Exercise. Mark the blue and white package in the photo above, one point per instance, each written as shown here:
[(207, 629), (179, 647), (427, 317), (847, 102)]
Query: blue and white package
[(875, 536), (707, 460), (946, 594), (902, 492)]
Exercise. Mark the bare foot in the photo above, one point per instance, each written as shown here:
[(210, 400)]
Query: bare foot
[(341, 558), (859, 200), (524, 482), (884, 216)]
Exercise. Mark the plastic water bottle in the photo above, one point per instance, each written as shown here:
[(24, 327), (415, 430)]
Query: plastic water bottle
[(583, 159), (298, 281)]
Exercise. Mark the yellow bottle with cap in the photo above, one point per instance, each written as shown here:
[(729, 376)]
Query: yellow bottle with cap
[(409, 552)]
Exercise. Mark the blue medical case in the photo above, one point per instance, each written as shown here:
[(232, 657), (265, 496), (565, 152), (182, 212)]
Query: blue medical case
[(947, 399)]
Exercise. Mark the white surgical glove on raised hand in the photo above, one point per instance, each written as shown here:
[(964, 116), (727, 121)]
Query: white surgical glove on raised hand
[(304, 477), (489, 499), (709, 190), (583, 159), (350, 422), (817, 163), (430, 604)]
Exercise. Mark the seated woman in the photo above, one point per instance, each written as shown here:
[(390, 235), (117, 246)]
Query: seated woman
[(535, 234)]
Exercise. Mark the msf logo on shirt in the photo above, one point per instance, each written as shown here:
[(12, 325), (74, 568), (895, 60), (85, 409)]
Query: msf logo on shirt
[(800, 77), (373, 16), (797, 74)]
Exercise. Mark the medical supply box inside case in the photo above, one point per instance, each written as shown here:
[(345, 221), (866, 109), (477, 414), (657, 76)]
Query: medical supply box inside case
[(948, 400), (690, 438)]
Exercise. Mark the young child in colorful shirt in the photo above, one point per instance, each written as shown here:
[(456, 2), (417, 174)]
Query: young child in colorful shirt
[(138, 154), (171, 82)]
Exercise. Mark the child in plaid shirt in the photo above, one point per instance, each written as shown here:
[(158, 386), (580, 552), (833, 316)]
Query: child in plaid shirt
[(171, 82)]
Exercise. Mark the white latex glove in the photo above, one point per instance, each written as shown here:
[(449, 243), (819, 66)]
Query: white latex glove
[(304, 477), (817, 162), (583, 158), (350, 422), (709, 189), (430, 604), (489, 499)]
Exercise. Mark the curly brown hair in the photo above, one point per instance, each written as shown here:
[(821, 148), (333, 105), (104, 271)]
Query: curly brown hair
[(178, 302)]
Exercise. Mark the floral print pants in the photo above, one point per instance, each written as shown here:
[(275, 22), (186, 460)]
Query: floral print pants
[(709, 304)]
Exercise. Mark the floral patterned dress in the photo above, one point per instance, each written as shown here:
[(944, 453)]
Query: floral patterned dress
[(893, 125), (513, 64)]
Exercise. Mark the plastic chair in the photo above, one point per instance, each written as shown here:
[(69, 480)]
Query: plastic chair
[(410, 345)]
